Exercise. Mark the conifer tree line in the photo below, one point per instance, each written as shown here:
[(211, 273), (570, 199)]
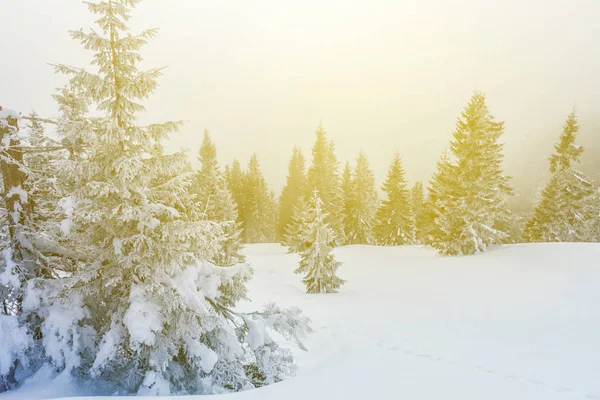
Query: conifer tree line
[(465, 207)]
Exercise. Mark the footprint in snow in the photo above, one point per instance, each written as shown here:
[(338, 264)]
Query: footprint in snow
[(486, 370), (563, 389), (536, 382)]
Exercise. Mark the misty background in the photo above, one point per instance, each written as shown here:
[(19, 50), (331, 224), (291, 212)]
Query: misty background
[(382, 76)]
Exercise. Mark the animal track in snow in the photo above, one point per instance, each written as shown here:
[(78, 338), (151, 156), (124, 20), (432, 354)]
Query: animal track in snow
[(539, 383)]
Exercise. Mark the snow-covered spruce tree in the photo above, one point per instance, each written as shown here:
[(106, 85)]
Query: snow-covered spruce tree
[(317, 262), (259, 207), (144, 310), (474, 218), (293, 191), (361, 219), (292, 232), (417, 200), (323, 176), (217, 203), (561, 214), (395, 219)]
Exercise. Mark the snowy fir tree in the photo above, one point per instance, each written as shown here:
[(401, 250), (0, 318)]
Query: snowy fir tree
[(292, 237), (417, 200), (395, 219), (561, 213), (292, 193), (323, 176), (258, 206), (317, 262), (361, 219), (142, 308), (217, 203), (476, 208)]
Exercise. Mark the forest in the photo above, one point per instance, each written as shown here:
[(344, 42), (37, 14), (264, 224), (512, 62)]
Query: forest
[(123, 263)]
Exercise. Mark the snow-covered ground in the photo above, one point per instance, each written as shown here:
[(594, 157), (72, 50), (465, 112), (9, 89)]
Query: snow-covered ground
[(518, 322)]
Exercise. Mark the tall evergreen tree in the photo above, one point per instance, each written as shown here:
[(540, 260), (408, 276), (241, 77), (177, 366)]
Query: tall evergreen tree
[(362, 214), (561, 214), (395, 219), (293, 191), (217, 203), (479, 211), (417, 200), (143, 309), (259, 207), (317, 262), (323, 176)]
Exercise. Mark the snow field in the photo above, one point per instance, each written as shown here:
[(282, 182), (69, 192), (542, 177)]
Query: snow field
[(517, 322)]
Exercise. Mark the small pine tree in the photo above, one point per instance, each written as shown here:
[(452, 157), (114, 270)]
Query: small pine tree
[(323, 176), (395, 219), (292, 233), (259, 207), (217, 203), (292, 193), (361, 218), (417, 200), (317, 262), (561, 213)]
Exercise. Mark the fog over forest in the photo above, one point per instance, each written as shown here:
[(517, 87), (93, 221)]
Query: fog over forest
[(381, 76)]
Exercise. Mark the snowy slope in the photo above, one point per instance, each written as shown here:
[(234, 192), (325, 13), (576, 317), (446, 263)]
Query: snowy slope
[(518, 322)]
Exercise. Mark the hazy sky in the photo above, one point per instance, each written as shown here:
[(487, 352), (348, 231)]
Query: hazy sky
[(382, 76)]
